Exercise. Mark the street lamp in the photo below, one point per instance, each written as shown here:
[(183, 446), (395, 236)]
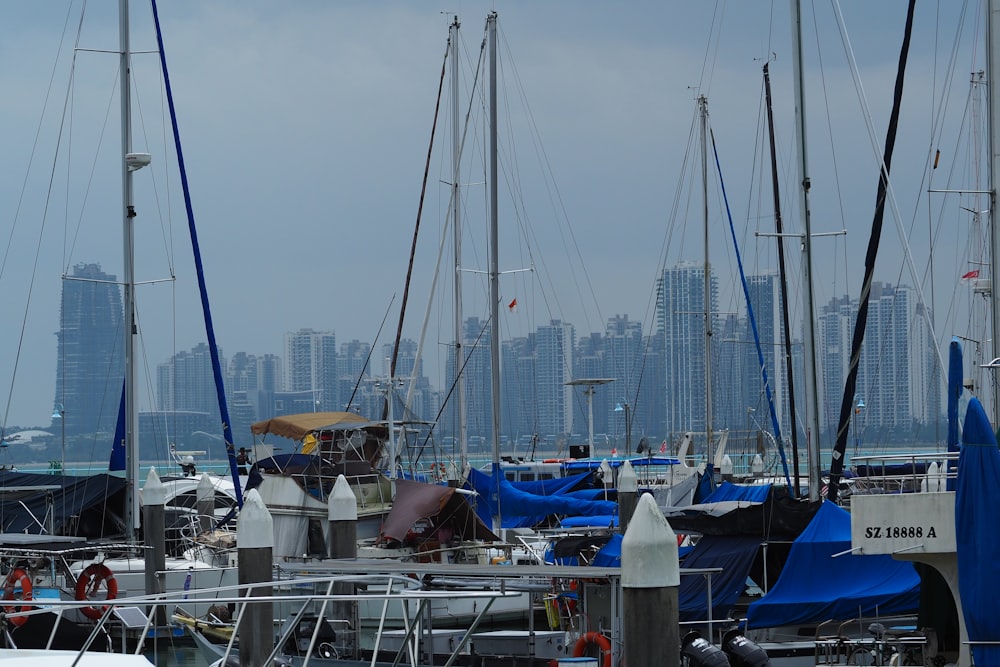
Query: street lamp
[(60, 413), (624, 407), (858, 407)]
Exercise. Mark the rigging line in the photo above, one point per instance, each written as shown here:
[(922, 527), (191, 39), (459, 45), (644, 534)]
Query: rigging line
[(884, 188), (451, 390), (750, 315), (883, 168), (833, 150), (368, 359), (461, 150), (416, 230), (552, 188), (41, 230)]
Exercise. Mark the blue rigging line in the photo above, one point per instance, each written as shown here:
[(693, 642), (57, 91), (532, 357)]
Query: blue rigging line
[(752, 318)]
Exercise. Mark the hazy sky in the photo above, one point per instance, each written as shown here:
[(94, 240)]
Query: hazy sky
[(305, 127)]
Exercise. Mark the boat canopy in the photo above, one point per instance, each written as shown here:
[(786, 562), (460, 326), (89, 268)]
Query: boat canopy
[(90, 506), (297, 427)]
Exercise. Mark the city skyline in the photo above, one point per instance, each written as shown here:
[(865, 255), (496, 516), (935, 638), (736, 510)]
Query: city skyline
[(307, 140), (539, 404)]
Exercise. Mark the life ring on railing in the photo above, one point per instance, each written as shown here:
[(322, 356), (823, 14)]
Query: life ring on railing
[(90, 581), (17, 576), (439, 472), (596, 639)]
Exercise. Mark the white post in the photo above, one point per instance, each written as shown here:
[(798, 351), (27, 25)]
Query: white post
[(650, 579), (255, 547)]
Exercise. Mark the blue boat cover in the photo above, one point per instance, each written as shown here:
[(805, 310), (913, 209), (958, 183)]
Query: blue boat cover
[(726, 491), (976, 535), (546, 487), (815, 587), (520, 509), (735, 555)]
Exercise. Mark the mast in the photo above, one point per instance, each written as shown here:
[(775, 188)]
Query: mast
[(808, 315), (779, 230), (993, 113), (703, 111), (463, 441), (491, 28), (131, 330)]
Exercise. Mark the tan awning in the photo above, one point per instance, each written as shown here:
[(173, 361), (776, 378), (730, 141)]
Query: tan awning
[(298, 426)]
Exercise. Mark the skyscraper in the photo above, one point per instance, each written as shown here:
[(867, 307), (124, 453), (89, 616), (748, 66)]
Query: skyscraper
[(554, 345), (311, 366), (681, 325), (90, 368)]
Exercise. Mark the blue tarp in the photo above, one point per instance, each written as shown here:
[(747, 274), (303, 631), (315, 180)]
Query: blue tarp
[(735, 555), (556, 485), (815, 587), (752, 492), (520, 509), (976, 534)]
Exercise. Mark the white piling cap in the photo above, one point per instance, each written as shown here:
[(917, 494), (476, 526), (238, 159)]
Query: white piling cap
[(605, 470), (255, 527), (153, 493), (627, 482), (205, 488), (343, 505), (649, 549)]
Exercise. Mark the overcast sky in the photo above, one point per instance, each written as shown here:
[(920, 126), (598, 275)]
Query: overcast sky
[(305, 127)]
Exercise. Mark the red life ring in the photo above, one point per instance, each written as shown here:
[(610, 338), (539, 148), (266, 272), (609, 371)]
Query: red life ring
[(598, 640), (88, 583), (17, 575)]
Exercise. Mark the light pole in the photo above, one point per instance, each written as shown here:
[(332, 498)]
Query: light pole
[(624, 407), (858, 407), (60, 414)]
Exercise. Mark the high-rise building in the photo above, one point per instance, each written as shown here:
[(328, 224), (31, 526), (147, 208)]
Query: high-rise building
[(681, 318), (554, 345), (90, 367), (311, 366), (893, 379), (186, 383)]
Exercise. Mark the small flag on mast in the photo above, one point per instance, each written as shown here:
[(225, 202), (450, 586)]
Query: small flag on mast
[(971, 274), (512, 306)]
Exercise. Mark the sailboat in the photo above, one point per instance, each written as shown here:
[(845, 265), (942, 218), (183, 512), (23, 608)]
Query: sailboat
[(64, 563)]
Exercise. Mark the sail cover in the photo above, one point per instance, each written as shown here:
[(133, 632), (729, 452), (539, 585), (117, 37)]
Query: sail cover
[(975, 532), (816, 586), (520, 509)]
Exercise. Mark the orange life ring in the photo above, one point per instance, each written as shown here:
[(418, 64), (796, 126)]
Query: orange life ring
[(598, 640), (16, 576), (88, 583)]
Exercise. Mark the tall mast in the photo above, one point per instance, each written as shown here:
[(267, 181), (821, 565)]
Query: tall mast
[(491, 27), (131, 330), (993, 105), (703, 111), (456, 207), (809, 318), (780, 230)]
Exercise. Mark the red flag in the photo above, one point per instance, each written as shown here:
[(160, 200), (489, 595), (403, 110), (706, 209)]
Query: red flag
[(614, 452), (971, 274), (512, 306)]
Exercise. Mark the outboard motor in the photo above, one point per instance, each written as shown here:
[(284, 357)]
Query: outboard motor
[(702, 653), (742, 652)]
